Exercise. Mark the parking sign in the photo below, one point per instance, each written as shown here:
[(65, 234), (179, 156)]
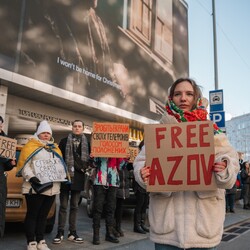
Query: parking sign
[(218, 117), (216, 100)]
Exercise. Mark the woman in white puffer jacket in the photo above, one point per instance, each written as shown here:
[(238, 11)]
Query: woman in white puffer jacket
[(189, 219)]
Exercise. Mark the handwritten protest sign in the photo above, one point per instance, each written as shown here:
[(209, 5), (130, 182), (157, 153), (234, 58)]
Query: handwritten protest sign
[(47, 170), (7, 147), (181, 156), (133, 152), (110, 140)]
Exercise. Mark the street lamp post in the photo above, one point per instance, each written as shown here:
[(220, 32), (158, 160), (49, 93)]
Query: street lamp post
[(216, 84)]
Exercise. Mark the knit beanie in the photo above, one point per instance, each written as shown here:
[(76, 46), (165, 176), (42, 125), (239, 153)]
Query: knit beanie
[(43, 127)]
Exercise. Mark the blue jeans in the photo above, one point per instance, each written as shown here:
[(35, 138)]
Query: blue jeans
[(230, 198), (168, 247), (74, 197)]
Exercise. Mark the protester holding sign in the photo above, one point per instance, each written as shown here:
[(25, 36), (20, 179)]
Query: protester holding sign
[(105, 186), (109, 153), (189, 218), (38, 151), (76, 155), (6, 164)]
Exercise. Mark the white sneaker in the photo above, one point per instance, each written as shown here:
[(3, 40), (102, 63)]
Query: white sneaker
[(32, 245), (74, 237), (42, 245)]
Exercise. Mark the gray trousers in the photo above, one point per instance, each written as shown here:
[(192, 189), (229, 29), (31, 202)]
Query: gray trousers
[(73, 197)]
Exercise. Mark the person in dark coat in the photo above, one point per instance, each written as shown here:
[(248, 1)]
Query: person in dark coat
[(5, 165), (245, 178), (230, 199), (121, 195), (142, 200), (75, 152)]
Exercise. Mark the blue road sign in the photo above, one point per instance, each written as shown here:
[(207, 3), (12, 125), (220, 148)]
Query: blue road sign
[(216, 100), (219, 118)]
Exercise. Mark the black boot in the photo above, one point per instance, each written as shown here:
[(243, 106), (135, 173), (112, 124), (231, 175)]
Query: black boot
[(116, 233), (138, 229), (109, 235), (119, 230), (137, 224), (143, 226), (96, 238)]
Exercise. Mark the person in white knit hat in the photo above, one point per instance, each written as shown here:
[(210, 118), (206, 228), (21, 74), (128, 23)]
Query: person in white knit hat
[(39, 149), (44, 127)]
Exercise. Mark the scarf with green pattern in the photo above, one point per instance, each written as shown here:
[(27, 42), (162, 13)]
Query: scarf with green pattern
[(199, 113)]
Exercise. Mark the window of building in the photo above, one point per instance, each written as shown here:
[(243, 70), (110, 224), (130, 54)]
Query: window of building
[(151, 23)]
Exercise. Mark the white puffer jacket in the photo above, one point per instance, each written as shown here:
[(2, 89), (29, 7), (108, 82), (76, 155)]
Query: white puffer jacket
[(189, 219)]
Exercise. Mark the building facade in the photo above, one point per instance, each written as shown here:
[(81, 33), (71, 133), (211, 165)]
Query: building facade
[(90, 60), (238, 132)]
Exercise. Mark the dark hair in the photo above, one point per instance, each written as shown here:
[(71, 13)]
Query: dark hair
[(196, 87), (244, 164), (1, 119), (78, 121), (141, 144)]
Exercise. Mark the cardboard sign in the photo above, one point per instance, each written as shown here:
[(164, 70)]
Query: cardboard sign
[(133, 152), (49, 170), (181, 156), (110, 140), (7, 147)]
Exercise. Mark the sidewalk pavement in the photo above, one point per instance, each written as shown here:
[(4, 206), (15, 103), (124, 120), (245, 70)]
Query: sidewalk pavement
[(237, 217), (133, 241)]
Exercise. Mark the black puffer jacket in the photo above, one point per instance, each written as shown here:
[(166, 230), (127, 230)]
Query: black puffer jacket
[(123, 190), (5, 165)]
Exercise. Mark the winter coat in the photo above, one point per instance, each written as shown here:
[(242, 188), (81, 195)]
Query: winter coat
[(124, 176), (5, 165), (244, 176), (29, 154), (77, 182), (107, 171), (191, 219), (233, 190)]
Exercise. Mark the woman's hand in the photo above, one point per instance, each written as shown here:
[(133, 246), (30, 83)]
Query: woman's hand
[(219, 166), (145, 173)]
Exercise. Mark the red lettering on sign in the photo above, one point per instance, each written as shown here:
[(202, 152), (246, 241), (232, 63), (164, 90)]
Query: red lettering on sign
[(177, 160), (159, 136), (156, 172), (207, 169), (203, 134), (191, 135), (175, 132), (191, 169)]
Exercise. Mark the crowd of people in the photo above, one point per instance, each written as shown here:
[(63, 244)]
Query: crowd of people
[(240, 190), (111, 186), (172, 216)]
